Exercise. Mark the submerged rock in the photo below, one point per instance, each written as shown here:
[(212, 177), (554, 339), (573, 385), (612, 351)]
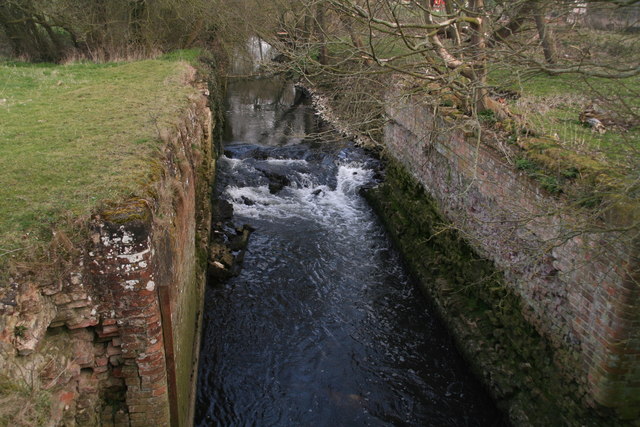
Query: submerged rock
[(247, 201)]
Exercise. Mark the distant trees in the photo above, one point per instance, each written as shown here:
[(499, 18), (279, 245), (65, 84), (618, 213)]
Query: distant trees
[(50, 30), (30, 31), (451, 44)]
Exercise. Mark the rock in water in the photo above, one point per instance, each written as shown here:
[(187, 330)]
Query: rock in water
[(222, 211), (276, 181)]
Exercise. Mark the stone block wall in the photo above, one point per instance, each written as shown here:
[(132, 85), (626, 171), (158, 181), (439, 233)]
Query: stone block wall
[(115, 340), (576, 275)]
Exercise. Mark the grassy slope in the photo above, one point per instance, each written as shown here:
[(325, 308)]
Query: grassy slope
[(551, 105), (75, 136)]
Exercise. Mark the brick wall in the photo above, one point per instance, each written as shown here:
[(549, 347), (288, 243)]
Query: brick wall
[(579, 282), (122, 269), (146, 271)]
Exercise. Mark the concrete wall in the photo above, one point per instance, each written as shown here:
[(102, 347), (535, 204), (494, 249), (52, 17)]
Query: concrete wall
[(577, 281), (115, 340)]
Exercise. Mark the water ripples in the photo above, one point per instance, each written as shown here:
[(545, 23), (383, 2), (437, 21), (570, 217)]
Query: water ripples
[(323, 327)]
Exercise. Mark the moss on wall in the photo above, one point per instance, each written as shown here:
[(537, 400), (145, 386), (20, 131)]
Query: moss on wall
[(529, 379)]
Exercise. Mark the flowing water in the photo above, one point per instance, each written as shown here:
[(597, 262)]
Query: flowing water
[(323, 326)]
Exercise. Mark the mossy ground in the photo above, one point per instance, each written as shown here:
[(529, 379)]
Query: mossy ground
[(551, 105), (76, 137)]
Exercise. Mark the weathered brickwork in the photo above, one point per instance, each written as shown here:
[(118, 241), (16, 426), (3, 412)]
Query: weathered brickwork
[(115, 340), (122, 269), (579, 281), (146, 269)]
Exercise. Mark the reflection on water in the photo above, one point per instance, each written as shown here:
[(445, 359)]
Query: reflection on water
[(267, 112), (323, 327)]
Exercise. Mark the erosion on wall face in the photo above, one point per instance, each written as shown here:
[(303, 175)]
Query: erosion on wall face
[(558, 327), (114, 340)]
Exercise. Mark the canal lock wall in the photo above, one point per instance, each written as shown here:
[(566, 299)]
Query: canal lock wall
[(115, 340), (545, 310)]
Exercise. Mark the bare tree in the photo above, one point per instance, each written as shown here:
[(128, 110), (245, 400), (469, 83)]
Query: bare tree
[(452, 42)]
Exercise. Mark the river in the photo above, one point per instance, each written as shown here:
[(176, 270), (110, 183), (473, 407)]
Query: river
[(323, 326)]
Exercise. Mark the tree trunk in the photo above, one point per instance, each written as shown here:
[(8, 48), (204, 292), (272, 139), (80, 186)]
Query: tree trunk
[(454, 30), (547, 40), (57, 45), (26, 36), (356, 40), (481, 98), (513, 26), (323, 55), (308, 25), (137, 22)]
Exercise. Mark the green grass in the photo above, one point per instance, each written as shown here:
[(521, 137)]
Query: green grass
[(551, 105), (189, 55), (593, 170), (75, 137)]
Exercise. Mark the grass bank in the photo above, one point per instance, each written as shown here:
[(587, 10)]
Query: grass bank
[(75, 138), (593, 169), (560, 111)]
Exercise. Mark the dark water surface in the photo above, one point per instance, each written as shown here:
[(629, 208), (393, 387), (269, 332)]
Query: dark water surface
[(323, 327)]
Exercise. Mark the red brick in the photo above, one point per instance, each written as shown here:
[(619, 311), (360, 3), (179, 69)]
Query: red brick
[(150, 358), (157, 347), (108, 332), (115, 360), (140, 409), (161, 391), (151, 370), (84, 324), (66, 397), (132, 382), (112, 350), (138, 312), (149, 382), (154, 318)]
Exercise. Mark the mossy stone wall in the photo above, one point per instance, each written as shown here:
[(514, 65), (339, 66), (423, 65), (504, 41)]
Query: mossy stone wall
[(560, 295)]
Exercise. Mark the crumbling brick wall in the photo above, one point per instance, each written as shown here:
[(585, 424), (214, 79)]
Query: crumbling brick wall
[(115, 340)]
